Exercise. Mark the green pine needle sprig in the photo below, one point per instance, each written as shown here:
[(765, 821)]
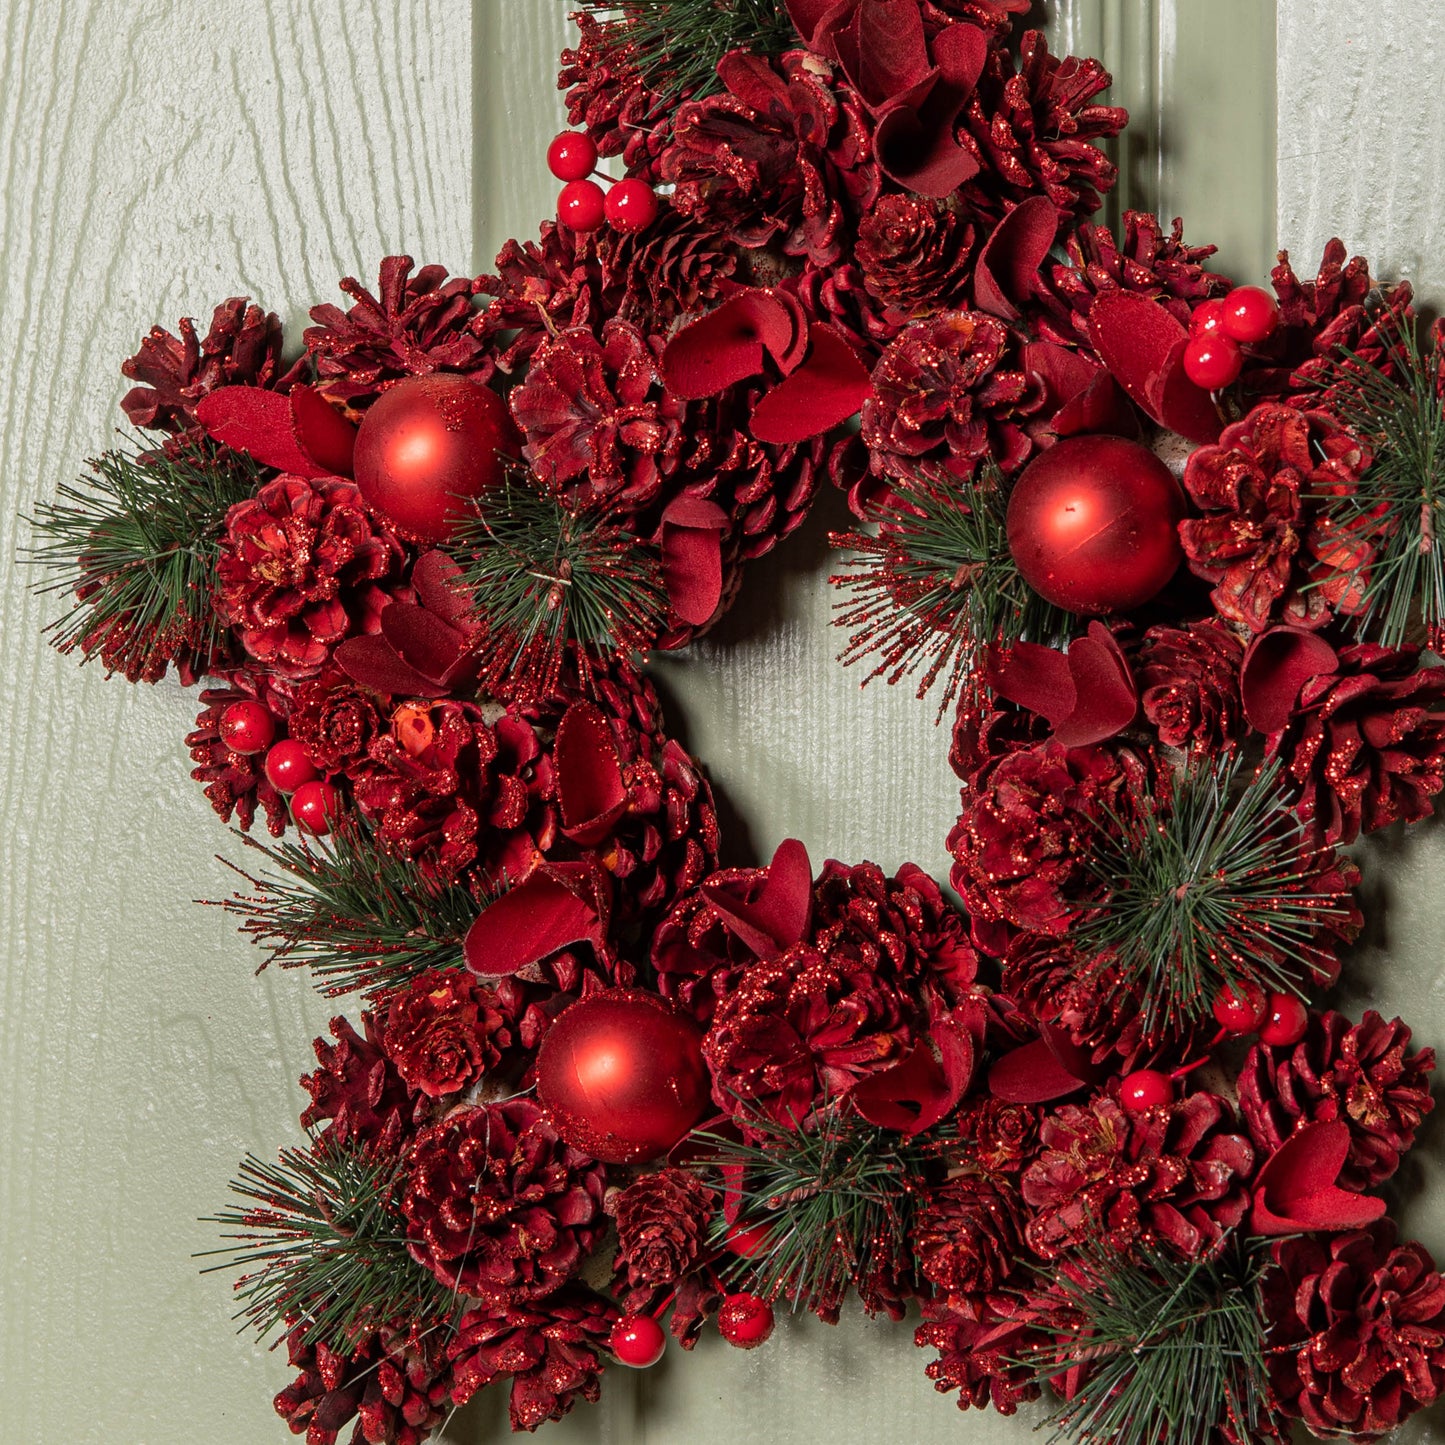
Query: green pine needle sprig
[(675, 45), (361, 919), (1397, 513), (1213, 886), (1171, 1349), (136, 543), (836, 1199), (936, 584), (320, 1241)]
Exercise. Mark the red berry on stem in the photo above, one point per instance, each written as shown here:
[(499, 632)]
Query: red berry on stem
[(1240, 1010), (1145, 1089), (582, 206), (572, 156), (1207, 318), (745, 1320), (1212, 362), (247, 727), (288, 767), (1249, 314), (747, 1240), (638, 1341), (313, 805), (1285, 1021), (631, 206)]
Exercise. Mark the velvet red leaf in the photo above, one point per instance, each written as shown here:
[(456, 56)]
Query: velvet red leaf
[(436, 578), (423, 641), (590, 789), (778, 917), (1008, 266), (1276, 666), (691, 546), (373, 662), (825, 390), (256, 421), (321, 431), (1297, 1187), (542, 914), (1086, 696), (1032, 1074), (1182, 406), (728, 345)]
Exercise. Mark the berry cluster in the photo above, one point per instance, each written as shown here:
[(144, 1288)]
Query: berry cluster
[(627, 206)]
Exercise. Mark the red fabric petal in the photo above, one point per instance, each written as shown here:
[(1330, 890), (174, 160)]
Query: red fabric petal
[(590, 790), (436, 578), (372, 661), (827, 389), (1182, 406), (424, 642), (691, 545), (1086, 696), (1008, 266), (321, 431), (1276, 666), (1032, 1074), (921, 1089), (727, 345), (529, 922), (778, 917), (253, 420), (1100, 409), (1296, 1189), (884, 52)]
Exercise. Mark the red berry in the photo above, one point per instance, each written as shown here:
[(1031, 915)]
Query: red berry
[(1145, 1089), (1241, 1010), (1285, 1021), (631, 206), (1250, 314), (288, 766), (1206, 318), (313, 805), (747, 1240), (572, 156), (638, 1340), (1212, 362), (745, 1320), (246, 727), (581, 206)]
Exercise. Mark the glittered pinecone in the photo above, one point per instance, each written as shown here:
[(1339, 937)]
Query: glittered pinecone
[(356, 1092), (1356, 1331), (552, 1350), (967, 1235), (607, 98), (1175, 1175), (914, 254), (335, 720), (948, 394), (672, 268), (242, 347), (662, 1226), (413, 326), (446, 1031), (498, 1206), (1189, 684), (981, 1342), (1002, 1137), (780, 157), (1360, 1074), (1260, 540), (1366, 743), (236, 783), (303, 566)]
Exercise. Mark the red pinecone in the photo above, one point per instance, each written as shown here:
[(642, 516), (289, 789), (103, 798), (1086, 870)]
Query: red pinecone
[(968, 1235), (445, 1031), (1189, 684), (335, 720), (607, 98), (553, 1350), (1366, 743), (356, 1091), (982, 1341), (914, 254), (498, 1206), (302, 567), (1356, 1331), (1261, 540), (781, 156), (662, 1226), (1002, 1137), (413, 326), (948, 394), (237, 782), (1357, 1073), (1173, 1174), (241, 348)]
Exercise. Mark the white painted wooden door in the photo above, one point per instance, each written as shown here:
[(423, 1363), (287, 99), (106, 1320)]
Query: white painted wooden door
[(158, 155)]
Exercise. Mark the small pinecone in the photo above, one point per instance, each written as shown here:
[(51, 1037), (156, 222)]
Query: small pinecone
[(914, 254), (235, 782), (413, 326), (335, 720), (552, 1350), (967, 1236), (446, 1031), (498, 1206), (675, 267), (356, 1092), (1002, 1137), (1359, 1074), (662, 1225), (607, 98), (1189, 685), (1356, 1331), (981, 1342), (241, 348)]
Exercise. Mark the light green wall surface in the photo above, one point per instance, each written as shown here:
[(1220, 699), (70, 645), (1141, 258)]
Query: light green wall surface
[(158, 156)]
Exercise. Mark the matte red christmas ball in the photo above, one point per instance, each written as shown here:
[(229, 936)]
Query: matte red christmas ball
[(427, 446), (1093, 524), (621, 1076), (745, 1320)]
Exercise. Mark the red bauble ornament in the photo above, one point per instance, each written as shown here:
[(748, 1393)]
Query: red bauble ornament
[(745, 1320), (1145, 1089), (288, 766), (246, 727), (1249, 315), (1212, 362), (429, 445), (1241, 1010), (1093, 524), (631, 206), (582, 206), (1285, 1021), (572, 156), (638, 1341), (621, 1076), (313, 805)]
